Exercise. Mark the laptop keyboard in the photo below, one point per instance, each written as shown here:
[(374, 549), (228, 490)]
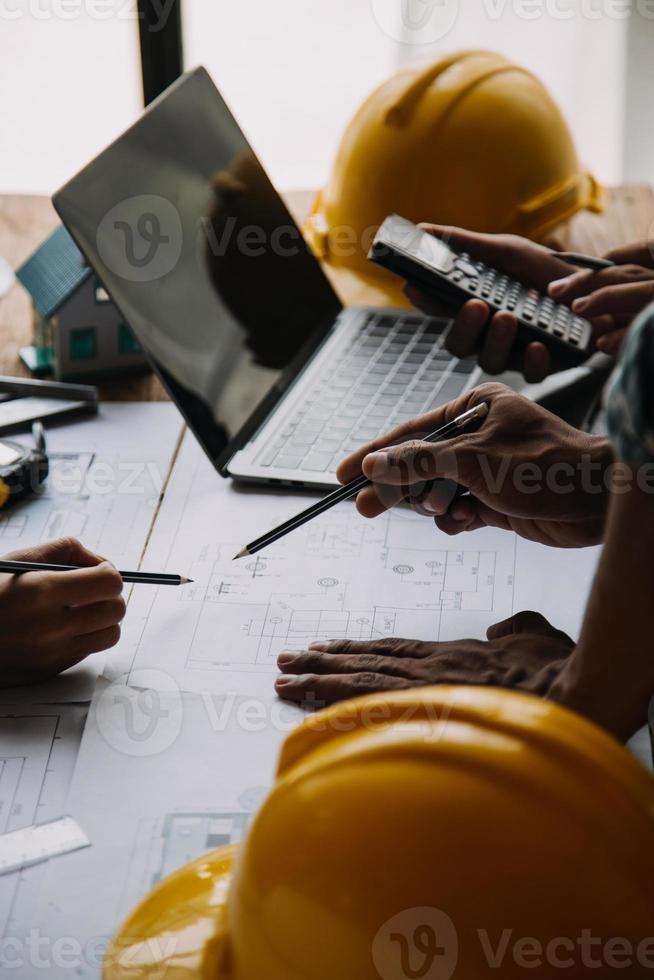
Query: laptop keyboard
[(392, 370)]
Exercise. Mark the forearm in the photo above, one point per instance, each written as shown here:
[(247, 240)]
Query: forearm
[(610, 675)]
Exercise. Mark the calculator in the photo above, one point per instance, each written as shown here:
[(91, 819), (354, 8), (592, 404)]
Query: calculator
[(454, 277)]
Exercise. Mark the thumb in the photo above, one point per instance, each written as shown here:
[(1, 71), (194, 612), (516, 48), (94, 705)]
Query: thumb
[(469, 514), (63, 551), (417, 461), (522, 622)]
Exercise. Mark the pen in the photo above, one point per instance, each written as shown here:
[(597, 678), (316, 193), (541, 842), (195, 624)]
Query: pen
[(144, 578), (352, 489), (584, 261)]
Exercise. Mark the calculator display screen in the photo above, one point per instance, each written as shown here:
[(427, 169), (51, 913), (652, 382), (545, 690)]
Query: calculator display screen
[(434, 252)]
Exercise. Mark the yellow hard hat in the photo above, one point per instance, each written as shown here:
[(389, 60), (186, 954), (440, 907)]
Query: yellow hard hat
[(472, 140), (418, 834)]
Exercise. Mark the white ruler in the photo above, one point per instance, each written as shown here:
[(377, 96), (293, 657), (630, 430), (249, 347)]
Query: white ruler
[(31, 845), (20, 410)]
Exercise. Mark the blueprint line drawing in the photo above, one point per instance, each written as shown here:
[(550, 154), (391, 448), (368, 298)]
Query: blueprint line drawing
[(147, 815), (338, 577), (12, 526), (335, 540), (105, 481), (38, 749), (166, 843), (287, 622)]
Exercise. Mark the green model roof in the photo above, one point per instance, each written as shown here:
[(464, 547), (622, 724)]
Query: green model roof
[(54, 272)]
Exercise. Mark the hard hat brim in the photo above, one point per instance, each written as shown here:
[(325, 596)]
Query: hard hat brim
[(180, 926)]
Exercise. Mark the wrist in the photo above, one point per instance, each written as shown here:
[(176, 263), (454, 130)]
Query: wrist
[(577, 471)]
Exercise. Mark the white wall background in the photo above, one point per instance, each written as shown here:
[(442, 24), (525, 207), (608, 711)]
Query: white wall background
[(581, 59), (69, 83), (294, 71)]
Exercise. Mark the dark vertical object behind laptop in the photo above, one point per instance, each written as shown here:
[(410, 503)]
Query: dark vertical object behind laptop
[(162, 50)]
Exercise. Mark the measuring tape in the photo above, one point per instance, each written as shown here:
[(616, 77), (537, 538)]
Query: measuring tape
[(22, 470), (31, 845)]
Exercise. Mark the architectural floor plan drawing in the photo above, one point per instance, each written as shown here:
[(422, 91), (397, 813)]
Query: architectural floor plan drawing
[(106, 476), (166, 843), (38, 749), (146, 809), (338, 577)]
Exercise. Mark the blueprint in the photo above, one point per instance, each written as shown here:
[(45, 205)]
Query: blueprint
[(38, 749), (340, 576), (107, 475), (168, 841), (146, 809)]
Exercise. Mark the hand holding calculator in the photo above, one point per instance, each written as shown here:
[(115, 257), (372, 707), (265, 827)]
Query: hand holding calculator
[(453, 278)]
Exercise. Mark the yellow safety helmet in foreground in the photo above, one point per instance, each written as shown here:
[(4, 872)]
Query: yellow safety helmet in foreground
[(434, 833), (472, 140)]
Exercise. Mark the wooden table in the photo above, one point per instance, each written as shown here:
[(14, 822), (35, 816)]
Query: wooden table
[(26, 220)]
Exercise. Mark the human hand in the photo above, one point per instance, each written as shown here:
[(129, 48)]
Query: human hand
[(525, 470), (524, 653), (473, 330), (611, 298), (52, 620)]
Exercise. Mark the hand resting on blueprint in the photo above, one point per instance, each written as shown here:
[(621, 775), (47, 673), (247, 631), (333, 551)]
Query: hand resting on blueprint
[(52, 620), (512, 467), (524, 470), (524, 652)]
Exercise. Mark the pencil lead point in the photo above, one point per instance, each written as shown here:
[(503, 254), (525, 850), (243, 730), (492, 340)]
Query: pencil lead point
[(242, 553), (185, 581)]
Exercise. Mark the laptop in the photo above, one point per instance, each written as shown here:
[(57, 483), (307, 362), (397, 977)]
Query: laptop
[(277, 380)]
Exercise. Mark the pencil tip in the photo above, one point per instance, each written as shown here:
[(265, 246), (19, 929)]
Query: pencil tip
[(242, 553), (185, 581)]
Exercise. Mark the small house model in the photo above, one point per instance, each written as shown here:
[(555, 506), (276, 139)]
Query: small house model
[(78, 332)]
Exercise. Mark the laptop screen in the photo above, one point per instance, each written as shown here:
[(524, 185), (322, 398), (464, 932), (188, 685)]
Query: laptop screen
[(202, 258)]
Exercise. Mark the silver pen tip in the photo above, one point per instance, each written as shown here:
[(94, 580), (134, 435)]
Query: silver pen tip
[(477, 412)]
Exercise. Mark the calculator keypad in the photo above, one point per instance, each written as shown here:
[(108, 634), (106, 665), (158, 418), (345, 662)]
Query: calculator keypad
[(530, 306)]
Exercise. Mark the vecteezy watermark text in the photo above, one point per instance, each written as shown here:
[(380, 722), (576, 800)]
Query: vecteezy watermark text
[(70, 955), (422, 22), (93, 10), (146, 716), (423, 944), (99, 478)]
